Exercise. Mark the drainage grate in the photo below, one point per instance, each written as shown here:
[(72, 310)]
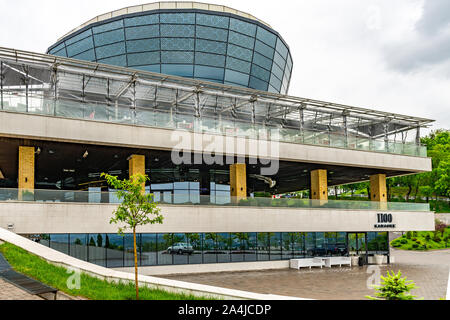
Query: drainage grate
[(19, 280)]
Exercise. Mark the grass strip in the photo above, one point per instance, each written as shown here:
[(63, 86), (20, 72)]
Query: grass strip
[(90, 287)]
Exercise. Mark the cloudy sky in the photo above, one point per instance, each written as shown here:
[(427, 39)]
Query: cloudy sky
[(387, 55)]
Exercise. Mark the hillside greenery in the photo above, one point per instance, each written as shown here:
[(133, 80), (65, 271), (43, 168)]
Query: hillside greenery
[(423, 240)]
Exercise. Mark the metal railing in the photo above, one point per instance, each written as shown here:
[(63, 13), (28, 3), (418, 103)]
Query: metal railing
[(60, 87), (13, 102), (194, 199)]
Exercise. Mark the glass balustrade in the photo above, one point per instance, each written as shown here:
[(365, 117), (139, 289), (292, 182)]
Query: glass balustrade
[(13, 102), (216, 200)]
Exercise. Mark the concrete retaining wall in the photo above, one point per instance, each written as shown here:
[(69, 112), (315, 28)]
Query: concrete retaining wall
[(42, 218)]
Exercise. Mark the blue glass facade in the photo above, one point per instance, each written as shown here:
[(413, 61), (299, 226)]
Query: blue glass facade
[(114, 251), (205, 45)]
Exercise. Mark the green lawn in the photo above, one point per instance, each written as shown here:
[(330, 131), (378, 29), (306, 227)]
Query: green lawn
[(90, 287), (423, 240)]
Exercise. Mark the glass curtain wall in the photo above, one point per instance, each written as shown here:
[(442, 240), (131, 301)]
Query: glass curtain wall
[(114, 251), (207, 46)]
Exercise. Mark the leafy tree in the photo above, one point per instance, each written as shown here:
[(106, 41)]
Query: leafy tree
[(210, 239), (107, 244), (409, 181), (427, 191), (442, 184), (92, 242), (193, 239), (168, 239), (135, 209), (99, 241), (394, 287), (440, 227), (243, 239), (264, 238), (438, 145), (351, 187)]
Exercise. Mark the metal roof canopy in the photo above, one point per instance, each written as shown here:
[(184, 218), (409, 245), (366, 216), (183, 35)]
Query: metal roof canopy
[(87, 80)]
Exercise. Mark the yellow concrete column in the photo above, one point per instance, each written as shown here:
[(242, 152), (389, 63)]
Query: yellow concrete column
[(26, 171), (137, 166), (378, 188), (238, 180), (319, 185)]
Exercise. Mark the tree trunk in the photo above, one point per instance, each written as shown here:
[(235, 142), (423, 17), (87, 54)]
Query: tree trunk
[(135, 264), (409, 193), (416, 189)]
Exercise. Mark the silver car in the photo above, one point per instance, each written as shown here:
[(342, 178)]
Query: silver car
[(180, 248)]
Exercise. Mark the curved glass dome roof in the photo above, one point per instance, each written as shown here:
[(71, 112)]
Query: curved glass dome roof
[(187, 39)]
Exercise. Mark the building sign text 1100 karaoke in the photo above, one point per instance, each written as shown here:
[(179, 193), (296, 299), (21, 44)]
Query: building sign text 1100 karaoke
[(384, 220)]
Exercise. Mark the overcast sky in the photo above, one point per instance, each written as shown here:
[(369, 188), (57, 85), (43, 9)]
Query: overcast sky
[(381, 54)]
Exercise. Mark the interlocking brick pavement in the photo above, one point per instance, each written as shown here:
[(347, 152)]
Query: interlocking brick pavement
[(11, 292), (429, 270)]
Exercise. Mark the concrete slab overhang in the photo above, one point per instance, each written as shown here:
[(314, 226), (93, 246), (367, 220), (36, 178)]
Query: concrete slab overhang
[(42, 218), (38, 127)]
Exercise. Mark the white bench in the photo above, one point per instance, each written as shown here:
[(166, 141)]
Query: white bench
[(320, 262), (306, 263), (337, 261)]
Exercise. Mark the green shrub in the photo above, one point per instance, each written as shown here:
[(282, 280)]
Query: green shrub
[(408, 235), (403, 241), (415, 245), (396, 243), (414, 239), (394, 287)]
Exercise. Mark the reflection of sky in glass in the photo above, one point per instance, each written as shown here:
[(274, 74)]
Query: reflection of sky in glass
[(115, 239), (62, 238)]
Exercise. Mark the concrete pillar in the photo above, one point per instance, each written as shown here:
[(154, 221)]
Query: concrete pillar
[(26, 171), (319, 185), (137, 166), (378, 190), (238, 180)]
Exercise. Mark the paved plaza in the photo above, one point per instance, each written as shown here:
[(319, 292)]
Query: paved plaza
[(11, 292), (429, 270)]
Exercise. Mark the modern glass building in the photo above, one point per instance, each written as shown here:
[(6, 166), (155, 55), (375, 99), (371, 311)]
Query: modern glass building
[(194, 96), (192, 41)]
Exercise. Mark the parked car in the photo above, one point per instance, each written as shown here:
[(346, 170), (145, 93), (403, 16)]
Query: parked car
[(328, 250), (180, 248)]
